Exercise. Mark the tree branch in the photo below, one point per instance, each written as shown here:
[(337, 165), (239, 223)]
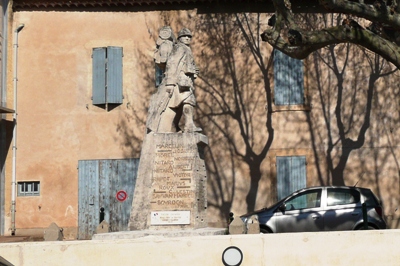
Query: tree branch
[(312, 41), (300, 43), (377, 12)]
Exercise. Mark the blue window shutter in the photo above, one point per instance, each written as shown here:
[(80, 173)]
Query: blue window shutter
[(296, 81), (280, 82), (283, 176), (298, 172), (288, 79), (291, 174), (114, 75), (99, 75)]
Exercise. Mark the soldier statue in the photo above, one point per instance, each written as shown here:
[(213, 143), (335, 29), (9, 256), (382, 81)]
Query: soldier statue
[(165, 42), (175, 99)]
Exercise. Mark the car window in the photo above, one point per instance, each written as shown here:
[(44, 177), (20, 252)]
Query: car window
[(337, 196), (305, 200)]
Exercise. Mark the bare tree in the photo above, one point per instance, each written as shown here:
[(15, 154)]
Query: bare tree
[(380, 33), (231, 94)]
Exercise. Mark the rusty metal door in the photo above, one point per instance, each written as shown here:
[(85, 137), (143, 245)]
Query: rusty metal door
[(107, 184)]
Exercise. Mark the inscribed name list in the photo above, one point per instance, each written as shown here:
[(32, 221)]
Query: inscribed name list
[(173, 185)]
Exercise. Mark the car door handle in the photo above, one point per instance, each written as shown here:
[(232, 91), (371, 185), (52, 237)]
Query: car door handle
[(315, 217), (355, 213)]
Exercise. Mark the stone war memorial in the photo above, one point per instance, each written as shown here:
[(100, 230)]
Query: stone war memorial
[(171, 188)]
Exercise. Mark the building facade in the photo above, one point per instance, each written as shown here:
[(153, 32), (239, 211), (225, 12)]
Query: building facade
[(81, 74)]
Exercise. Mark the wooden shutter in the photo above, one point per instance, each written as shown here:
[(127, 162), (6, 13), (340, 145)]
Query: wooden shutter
[(288, 80), (114, 75), (296, 81), (99, 75), (291, 174)]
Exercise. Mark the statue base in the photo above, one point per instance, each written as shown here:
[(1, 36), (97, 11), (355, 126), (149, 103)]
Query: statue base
[(171, 187)]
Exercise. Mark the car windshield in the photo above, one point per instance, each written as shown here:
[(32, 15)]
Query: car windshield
[(273, 206), (277, 204)]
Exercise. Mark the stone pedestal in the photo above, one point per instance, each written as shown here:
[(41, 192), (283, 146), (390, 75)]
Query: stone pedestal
[(236, 227), (253, 226), (53, 233), (103, 227), (171, 187)]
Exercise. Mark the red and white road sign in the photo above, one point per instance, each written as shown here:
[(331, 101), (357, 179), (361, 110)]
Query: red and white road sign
[(121, 195)]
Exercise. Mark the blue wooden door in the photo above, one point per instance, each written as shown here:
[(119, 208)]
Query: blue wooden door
[(291, 174), (99, 183)]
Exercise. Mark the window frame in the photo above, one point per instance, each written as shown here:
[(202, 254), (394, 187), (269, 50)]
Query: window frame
[(28, 185)]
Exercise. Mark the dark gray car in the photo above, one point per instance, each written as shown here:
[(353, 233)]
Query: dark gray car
[(329, 208)]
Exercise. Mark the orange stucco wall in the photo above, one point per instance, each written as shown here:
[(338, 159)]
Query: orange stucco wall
[(57, 123)]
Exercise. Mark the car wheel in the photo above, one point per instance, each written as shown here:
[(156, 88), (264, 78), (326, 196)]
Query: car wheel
[(264, 231), (369, 228)]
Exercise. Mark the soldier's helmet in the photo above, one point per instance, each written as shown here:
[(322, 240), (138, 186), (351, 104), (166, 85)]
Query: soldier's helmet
[(184, 32)]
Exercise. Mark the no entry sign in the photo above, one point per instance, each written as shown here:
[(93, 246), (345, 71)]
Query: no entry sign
[(121, 195)]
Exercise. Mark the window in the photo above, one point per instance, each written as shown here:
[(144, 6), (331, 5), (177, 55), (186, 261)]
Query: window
[(30, 188), (342, 197), (291, 174), (288, 80), (306, 200), (107, 75)]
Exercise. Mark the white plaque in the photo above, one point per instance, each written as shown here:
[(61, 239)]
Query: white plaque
[(170, 217)]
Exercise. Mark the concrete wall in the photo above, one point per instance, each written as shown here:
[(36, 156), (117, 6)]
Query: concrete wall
[(333, 248)]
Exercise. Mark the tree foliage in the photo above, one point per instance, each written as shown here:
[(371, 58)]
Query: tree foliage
[(380, 33)]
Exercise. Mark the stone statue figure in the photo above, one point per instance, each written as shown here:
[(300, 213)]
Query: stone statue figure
[(172, 107), (165, 42)]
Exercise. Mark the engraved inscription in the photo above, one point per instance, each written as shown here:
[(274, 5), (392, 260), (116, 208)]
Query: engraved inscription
[(170, 217), (173, 186)]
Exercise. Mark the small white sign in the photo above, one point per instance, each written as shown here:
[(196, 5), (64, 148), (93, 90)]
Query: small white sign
[(170, 217)]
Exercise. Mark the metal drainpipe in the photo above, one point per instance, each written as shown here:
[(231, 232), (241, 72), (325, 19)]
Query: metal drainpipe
[(14, 175), (4, 56)]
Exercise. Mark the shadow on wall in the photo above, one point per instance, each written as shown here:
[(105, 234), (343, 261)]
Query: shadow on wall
[(235, 87), (357, 125), (229, 95), (6, 129), (349, 114)]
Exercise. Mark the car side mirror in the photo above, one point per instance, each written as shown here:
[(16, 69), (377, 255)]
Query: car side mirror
[(282, 208)]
